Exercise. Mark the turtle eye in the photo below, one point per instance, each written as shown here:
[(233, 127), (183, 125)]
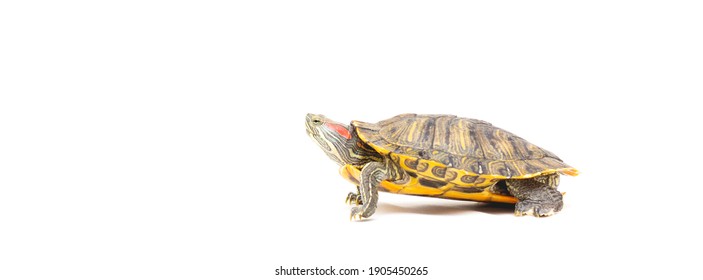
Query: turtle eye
[(316, 121)]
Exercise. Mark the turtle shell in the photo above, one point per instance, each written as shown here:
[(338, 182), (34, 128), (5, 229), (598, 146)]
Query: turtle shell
[(462, 151)]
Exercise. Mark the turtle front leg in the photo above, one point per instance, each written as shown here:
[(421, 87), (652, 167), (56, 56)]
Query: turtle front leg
[(371, 176), (536, 196)]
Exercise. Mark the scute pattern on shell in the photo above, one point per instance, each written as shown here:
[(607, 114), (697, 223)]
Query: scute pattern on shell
[(474, 146)]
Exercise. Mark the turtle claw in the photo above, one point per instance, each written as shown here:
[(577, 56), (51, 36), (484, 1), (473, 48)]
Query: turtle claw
[(355, 214), (349, 198), (353, 199)]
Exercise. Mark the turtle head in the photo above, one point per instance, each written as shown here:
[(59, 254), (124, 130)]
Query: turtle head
[(334, 138)]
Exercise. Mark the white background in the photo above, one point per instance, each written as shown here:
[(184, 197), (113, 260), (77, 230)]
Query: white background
[(165, 139)]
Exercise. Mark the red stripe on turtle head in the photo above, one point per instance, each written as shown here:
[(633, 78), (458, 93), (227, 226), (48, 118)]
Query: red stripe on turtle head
[(341, 130)]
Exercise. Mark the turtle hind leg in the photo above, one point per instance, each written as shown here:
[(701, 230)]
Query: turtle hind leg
[(500, 188), (536, 196), (371, 176)]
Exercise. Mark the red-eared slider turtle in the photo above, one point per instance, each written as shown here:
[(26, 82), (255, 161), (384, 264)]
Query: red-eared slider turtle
[(441, 156)]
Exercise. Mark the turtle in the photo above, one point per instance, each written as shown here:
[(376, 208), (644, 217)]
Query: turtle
[(441, 156)]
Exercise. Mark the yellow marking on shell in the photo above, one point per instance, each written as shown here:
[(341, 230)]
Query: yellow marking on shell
[(411, 132), (417, 189), (393, 187), (461, 172), (401, 160), (505, 149), (568, 171), (413, 187)]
